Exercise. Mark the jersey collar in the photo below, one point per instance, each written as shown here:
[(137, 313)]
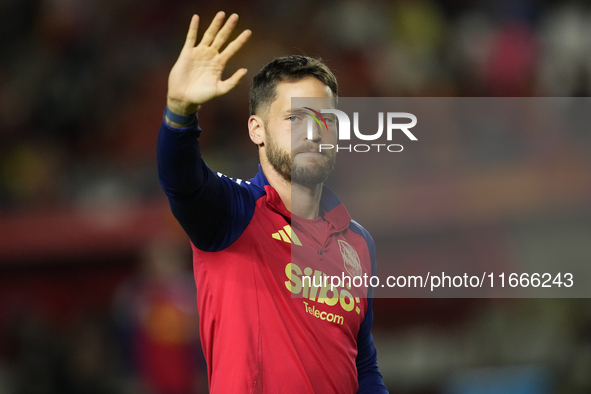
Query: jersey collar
[(331, 208)]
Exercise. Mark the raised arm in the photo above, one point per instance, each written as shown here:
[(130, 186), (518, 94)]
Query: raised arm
[(212, 210)]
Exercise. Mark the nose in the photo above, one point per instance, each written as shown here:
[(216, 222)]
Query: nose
[(313, 132)]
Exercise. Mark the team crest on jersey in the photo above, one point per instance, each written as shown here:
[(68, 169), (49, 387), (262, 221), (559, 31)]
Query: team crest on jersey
[(351, 259)]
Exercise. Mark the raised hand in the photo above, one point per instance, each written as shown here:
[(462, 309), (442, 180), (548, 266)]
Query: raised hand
[(196, 77)]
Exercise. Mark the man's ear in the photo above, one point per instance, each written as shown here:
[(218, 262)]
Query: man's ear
[(256, 130)]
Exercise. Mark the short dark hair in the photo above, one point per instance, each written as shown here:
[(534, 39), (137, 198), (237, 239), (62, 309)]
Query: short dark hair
[(290, 68)]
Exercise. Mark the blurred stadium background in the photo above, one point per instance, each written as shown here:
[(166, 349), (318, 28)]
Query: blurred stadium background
[(95, 283)]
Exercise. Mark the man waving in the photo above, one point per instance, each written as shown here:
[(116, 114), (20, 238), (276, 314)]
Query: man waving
[(264, 326)]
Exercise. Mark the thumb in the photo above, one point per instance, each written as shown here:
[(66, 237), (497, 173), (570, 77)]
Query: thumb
[(233, 81)]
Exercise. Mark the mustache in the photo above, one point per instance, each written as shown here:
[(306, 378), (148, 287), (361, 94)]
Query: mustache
[(307, 147)]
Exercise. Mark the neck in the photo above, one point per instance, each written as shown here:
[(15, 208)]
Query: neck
[(300, 200)]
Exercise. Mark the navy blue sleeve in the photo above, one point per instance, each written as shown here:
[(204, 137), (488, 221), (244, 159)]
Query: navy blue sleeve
[(368, 374), (212, 209)]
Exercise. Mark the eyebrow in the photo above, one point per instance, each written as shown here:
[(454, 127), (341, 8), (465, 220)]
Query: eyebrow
[(299, 111), (294, 111)]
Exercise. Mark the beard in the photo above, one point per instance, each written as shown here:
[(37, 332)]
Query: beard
[(308, 174)]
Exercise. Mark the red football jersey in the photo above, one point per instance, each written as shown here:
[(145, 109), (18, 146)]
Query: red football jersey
[(269, 320)]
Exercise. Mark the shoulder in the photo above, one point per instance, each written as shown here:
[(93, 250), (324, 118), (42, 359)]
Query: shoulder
[(251, 186), (371, 246), (359, 229)]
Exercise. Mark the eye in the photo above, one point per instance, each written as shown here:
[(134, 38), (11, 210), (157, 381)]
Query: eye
[(294, 118), (330, 118)]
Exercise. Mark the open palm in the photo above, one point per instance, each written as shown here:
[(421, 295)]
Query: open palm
[(196, 77)]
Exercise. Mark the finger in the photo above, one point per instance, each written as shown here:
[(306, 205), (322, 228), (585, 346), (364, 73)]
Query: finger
[(235, 45), (225, 32), (192, 33), (233, 81), (212, 30)]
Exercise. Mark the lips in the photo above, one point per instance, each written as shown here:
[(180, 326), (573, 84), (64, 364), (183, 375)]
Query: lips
[(309, 149), (311, 152)]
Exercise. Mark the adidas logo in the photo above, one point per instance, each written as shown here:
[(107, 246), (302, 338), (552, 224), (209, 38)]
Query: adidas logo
[(286, 235)]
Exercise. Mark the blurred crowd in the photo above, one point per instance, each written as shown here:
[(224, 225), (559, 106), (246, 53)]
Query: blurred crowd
[(131, 328), (83, 83)]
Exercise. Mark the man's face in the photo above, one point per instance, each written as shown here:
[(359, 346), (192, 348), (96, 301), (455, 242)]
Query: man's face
[(287, 147)]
